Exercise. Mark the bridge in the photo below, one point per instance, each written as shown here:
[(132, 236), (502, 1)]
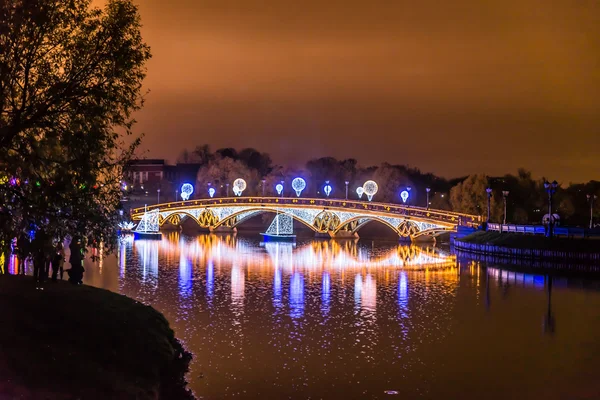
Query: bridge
[(333, 217)]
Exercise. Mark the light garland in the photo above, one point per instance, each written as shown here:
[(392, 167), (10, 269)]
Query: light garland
[(239, 185), (211, 191), (404, 196), (186, 191), (298, 184), (360, 191), (370, 188), (283, 224), (279, 188)]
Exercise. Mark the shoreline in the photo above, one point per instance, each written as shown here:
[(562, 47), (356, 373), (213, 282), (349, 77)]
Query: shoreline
[(68, 341)]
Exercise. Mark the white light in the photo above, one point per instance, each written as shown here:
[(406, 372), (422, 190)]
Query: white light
[(404, 196), (370, 188), (279, 188), (211, 191), (298, 184), (240, 185), (327, 189), (149, 222), (282, 224), (360, 191), (126, 226), (186, 191)]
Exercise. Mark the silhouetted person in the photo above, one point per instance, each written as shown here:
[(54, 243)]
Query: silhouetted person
[(57, 262), (76, 261), (23, 251)]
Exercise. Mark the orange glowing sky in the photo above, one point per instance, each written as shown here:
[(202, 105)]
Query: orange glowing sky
[(452, 87)]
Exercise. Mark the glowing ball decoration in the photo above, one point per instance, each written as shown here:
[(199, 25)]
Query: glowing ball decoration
[(279, 188), (186, 191), (370, 188), (404, 196), (239, 185), (327, 189), (360, 191), (211, 191), (298, 184)]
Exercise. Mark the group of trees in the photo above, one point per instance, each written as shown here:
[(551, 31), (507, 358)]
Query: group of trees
[(527, 200), (70, 79)]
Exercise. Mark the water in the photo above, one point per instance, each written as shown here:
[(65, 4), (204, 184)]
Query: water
[(364, 320)]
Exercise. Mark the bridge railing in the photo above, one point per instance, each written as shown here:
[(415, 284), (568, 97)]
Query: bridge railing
[(351, 205), (541, 230)]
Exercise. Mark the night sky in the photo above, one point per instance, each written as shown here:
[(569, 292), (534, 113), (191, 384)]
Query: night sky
[(451, 87)]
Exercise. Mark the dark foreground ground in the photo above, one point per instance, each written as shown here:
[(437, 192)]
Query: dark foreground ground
[(80, 342)]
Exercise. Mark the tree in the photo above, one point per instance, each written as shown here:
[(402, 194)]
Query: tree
[(470, 197), (70, 81), (222, 171)]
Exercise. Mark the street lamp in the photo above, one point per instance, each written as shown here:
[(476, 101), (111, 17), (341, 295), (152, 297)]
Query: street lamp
[(489, 197), (408, 189), (550, 189), (346, 182), (427, 190), (226, 189), (208, 188), (158, 196), (591, 199), (263, 187), (504, 196)]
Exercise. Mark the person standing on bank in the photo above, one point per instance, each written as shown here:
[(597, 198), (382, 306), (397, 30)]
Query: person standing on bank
[(57, 262)]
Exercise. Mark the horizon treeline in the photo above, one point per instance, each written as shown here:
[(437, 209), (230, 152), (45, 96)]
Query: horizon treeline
[(526, 202)]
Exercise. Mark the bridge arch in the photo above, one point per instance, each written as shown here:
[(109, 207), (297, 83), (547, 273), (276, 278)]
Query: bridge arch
[(252, 211)]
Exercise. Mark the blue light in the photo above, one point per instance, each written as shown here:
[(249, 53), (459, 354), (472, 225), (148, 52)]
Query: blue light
[(210, 278), (325, 293), (211, 191), (279, 188), (186, 191), (404, 195), (296, 295), (327, 188), (277, 288)]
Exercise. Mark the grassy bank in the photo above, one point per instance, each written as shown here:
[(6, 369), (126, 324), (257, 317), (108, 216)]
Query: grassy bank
[(522, 241), (70, 341)]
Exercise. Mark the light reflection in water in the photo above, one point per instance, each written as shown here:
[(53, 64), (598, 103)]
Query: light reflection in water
[(210, 279), (277, 288), (345, 319), (325, 292), (296, 295)]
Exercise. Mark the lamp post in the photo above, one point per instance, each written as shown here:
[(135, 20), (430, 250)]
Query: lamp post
[(489, 197), (408, 189), (158, 196), (346, 182), (550, 189), (208, 185), (282, 189), (427, 190), (263, 187), (591, 199), (227, 189), (176, 193), (504, 196)]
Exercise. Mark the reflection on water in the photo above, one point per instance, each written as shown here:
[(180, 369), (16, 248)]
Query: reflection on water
[(327, 319)]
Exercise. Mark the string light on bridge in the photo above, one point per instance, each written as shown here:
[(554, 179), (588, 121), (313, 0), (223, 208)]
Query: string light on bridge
[(370, 188), (186, 191), (360, 191), (298, 184), (239, 185)]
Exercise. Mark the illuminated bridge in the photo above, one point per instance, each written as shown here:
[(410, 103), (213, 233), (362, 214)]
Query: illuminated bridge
[(333, 217)]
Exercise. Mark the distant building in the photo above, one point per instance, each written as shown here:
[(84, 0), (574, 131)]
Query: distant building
[(146, 176)]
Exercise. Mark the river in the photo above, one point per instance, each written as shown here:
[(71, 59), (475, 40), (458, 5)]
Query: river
[(361, 320)]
